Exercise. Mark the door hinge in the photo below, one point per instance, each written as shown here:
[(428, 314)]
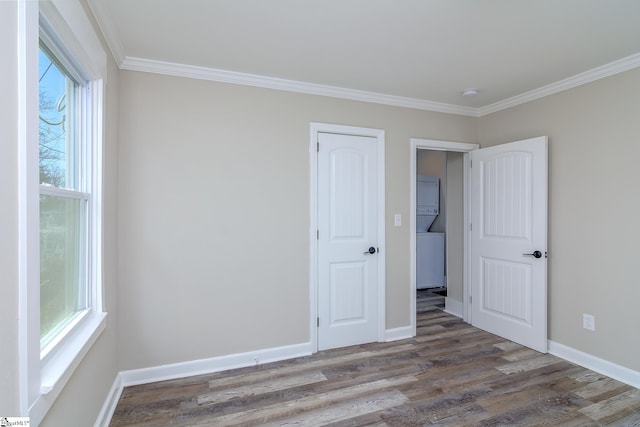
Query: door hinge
[(318, 322), (470, 164), (470, 226), (470, 299), (317, 147), (317, 234)]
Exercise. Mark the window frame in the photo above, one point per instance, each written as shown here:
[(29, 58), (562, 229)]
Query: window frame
[(68, 33), (78, 187)]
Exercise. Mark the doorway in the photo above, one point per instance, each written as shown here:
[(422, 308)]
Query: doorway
[(455, 306)]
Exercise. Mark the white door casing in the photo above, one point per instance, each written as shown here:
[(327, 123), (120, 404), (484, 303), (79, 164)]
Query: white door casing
[(349, 306), (508, 224)]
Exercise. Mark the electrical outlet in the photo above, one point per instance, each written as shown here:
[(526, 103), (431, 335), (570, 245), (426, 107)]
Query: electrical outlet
[(588, 322), (397, 220)]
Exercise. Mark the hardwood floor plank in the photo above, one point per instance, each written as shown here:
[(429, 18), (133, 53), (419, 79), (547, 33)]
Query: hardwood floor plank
[(516, 355), (344, 411), (289, 408), (604, 388), (261, 387), (614, 408), (631, 420), (528, 364)]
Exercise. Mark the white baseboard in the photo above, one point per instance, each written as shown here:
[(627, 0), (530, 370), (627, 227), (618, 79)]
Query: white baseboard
[(453, 306), (214, 364), (110, 403), (191, 368), (397, 334), (604, 367)]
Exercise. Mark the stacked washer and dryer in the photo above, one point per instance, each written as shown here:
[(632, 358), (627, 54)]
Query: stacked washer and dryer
[(429, 245)]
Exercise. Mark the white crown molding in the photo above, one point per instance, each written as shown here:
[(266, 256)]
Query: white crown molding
[(108, 28), (615, 67), (110, 33), (204, 73), (224, 76)]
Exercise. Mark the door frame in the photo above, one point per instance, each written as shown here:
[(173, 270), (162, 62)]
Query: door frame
[(436, 145), (315, 129)]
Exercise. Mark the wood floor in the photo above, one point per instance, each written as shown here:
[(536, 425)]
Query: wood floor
[(450, 374)]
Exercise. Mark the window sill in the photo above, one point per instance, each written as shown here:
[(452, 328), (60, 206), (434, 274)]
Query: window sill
[(60, 366)]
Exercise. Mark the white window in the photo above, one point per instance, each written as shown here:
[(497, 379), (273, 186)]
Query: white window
[(61, 311), (65, 201)]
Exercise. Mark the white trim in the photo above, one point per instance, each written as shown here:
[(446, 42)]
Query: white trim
[(466, 221), (313, 240), (96, 226), (28, 208), (57, 370), (465, 148), (110, 403), (401, 333), (213, 364), (604, 367), (315, 129), (224, 76), (453, 306), (56, 373), (99, 9), (607, 70), (382, 246)]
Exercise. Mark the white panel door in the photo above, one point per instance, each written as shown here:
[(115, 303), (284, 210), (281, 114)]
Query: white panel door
[(509, 241), (347, 229)]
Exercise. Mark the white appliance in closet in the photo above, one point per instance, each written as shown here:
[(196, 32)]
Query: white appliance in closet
[(429, 245)]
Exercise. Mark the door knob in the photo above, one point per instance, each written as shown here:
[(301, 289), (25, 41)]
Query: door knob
[(535, 254), (371, 251)]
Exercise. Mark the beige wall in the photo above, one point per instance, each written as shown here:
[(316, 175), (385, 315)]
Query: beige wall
[(594, 201), (214, 213), (9, 397), (455, 226)]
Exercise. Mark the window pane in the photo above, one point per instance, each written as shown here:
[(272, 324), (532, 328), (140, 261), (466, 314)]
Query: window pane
[(62, 237), (58, 146)]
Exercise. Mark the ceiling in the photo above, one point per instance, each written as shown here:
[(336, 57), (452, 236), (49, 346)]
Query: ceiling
[(421, 51)]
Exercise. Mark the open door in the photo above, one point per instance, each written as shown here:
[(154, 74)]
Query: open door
[(509, 241)]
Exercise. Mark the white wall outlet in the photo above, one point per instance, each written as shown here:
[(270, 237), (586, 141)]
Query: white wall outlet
[(588, 322), (397, 220)]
